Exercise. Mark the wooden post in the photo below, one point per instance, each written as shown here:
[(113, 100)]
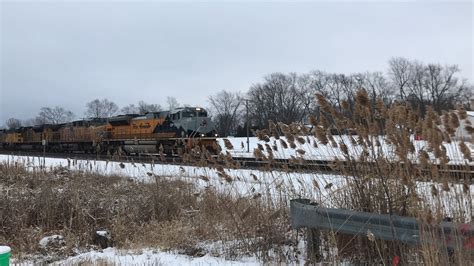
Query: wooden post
[(313, 252)]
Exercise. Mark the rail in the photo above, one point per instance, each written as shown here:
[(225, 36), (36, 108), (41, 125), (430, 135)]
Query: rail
[(454, 172)]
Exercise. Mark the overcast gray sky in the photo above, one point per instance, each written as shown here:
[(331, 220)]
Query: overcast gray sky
[(70, 53)]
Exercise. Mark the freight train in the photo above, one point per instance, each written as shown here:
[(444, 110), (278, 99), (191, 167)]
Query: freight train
[(166, 132)]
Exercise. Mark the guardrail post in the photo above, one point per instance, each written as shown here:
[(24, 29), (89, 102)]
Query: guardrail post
[(313, 245)]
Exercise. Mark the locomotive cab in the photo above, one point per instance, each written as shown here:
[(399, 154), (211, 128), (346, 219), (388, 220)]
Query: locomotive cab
[(191, 122)]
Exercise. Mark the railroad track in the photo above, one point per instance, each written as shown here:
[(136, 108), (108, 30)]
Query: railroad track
[(247, 163), (306, 166), (326, 166)]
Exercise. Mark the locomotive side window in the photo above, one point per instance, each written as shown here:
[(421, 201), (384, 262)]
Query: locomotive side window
[(189, 114)]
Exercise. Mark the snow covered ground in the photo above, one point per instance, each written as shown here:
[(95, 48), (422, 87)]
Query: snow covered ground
[(112, 256), (247, 183), (327, 152)]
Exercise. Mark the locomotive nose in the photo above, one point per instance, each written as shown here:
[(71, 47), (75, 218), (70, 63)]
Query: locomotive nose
[(205, 125)]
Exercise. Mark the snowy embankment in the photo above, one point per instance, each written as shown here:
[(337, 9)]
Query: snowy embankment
[(276, 185), (330, 153)]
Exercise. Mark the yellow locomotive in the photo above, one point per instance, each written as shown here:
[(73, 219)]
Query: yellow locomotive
[(167, 132)]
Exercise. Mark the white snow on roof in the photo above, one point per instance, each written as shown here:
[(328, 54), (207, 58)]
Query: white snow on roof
[(4, 249)]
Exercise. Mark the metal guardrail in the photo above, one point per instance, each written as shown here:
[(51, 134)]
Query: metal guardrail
[(382, 226)]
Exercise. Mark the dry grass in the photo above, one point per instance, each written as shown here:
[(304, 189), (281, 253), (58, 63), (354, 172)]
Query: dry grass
[(404, 181), (166, 214)]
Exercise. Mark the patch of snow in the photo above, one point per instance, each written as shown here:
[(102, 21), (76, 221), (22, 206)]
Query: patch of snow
[(102, 233), (45, 241)]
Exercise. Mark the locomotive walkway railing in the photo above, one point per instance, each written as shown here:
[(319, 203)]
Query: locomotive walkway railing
[(382, 226)]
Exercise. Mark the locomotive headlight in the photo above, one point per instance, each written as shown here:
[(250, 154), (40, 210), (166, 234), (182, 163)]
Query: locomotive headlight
[(202, 135), (216, 135), (198, 109)]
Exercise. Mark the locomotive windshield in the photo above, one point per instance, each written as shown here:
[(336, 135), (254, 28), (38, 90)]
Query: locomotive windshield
[(198, 112), (188, 114)]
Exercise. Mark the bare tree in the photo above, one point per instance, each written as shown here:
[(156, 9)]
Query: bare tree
[(340, 87), (226, 107), (415, 86), (30, 122), (129, 109), (13, 123), (443, 87), (144, 107), (428, 84), (467, 97), (101, 108), (172, 103), (281, 97), (141, 108), (319, 84), (377, 86), (400, 72), (306, 86), (54, 115)]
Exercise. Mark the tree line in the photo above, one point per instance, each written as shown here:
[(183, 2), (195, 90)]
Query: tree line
[(290, 97)]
